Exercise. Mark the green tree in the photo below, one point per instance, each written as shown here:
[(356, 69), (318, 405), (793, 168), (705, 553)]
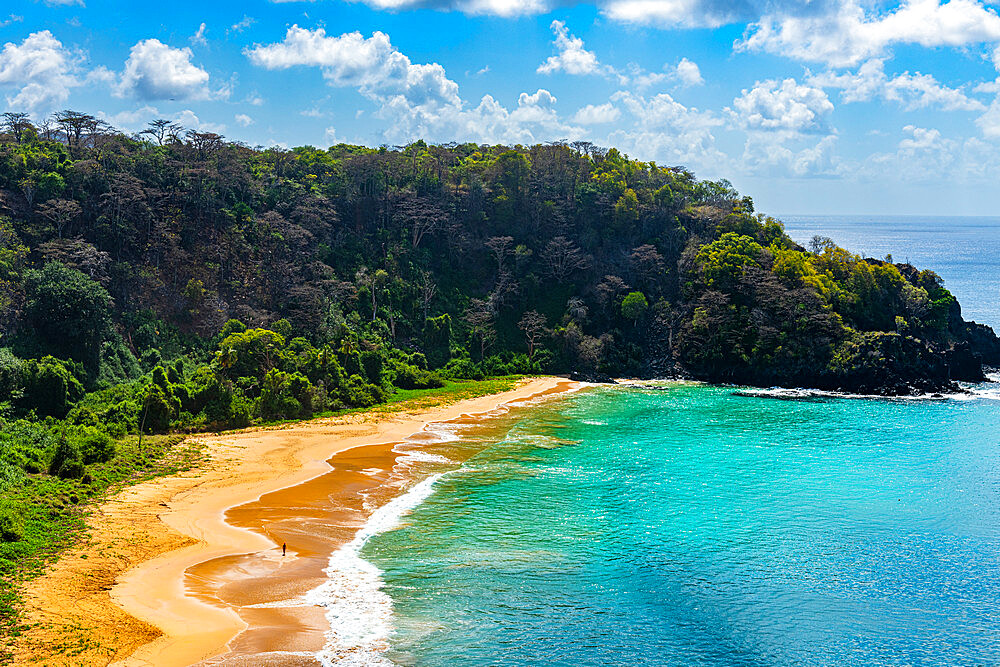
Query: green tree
[(69, 313), (634, 305)]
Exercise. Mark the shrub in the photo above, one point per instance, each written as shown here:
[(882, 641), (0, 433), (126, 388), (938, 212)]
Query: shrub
[(67, 462), (94, 445), (462, 369), (160, 407), (408, 376), (373, 365), (11, 524), (361, 394), (150, 359), (50, 387)]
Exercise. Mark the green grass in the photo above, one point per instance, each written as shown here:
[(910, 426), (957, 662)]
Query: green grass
[(53, 511)]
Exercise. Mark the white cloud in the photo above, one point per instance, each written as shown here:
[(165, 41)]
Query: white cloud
[(155, 71), (989, 122), (920, 139), (849, 34), (570, 56), (689, 73), (372, 65), (780, 155), (787, 106), (244, 120), (189, 120), (505, 8), (912, 91), (13, 18), (199, 37), (668, 131), (676, 13), (413, 100), (138, 119), (596, 115), (242, 24), (41, 69)]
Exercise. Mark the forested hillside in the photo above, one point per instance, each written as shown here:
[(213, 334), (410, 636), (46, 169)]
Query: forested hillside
[(173, 279)]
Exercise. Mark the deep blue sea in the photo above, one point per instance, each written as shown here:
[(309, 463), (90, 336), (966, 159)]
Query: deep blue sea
[(685, 524)]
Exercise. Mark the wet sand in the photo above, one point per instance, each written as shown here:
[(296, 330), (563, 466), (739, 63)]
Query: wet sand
[(201, 548)]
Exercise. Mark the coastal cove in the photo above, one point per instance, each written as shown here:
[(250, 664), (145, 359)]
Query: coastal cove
[(718, 528), (145, 539), (724, 525)]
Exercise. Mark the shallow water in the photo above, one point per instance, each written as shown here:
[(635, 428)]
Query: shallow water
[(697, 526)]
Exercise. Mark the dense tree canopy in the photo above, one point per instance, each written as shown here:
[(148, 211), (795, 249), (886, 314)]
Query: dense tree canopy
[(184, 279)]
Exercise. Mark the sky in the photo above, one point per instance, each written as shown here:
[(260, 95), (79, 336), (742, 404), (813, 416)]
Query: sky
[(808, 106)]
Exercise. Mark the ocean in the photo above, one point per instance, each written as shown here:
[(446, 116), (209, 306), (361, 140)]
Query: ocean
[(685, 524)]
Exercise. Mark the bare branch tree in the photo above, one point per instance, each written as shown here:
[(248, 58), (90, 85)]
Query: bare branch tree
[(16, 123), (423, 217), (562, 258), (479, 317), (501, 247), (533, 325), (428, 290), (60, 212), (163, 131)]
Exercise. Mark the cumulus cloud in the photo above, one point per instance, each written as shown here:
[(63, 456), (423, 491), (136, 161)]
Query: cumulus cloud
[(689, 73), (912, 91), (155, 71), (920, 139), (415, 100), (570, 55), (849, 34), (41, 70), (679, 13), (373, 65), (244, 120), (786, 106), (989, 122), (597, 114), (506, 8), (783, 156), (788, 129), (136, 120), (668, 131)]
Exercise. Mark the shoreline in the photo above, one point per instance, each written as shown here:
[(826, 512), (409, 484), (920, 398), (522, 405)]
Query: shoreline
[(129, 584)]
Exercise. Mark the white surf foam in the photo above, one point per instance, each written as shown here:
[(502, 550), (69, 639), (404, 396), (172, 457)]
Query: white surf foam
[(989, 390), (358, 610), (819, 394)]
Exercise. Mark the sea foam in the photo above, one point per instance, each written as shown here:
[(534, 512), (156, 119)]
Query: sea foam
[(358, 610)]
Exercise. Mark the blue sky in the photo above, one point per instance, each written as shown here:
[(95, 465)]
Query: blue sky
[(824, 106)]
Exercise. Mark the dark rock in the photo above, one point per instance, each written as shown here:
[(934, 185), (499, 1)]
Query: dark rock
[(591, 376)]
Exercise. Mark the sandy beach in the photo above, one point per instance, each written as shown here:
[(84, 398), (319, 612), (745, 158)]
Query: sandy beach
[(181, 570)]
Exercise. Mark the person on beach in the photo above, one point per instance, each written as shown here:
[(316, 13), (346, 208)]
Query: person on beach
[(283, 548)]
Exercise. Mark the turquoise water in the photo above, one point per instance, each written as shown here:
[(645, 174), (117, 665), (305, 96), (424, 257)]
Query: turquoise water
[(694, 526)]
